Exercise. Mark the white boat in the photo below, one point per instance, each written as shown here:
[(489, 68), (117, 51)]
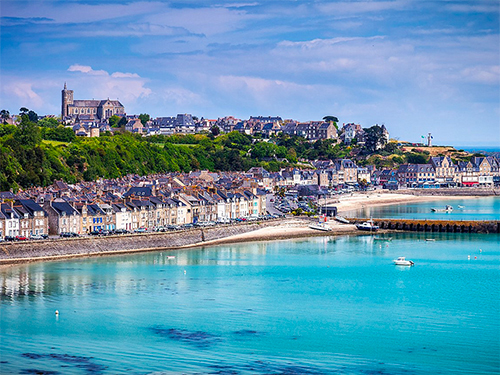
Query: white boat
[(368, 226), (382, 238), (448, 208), (430, 239), (459, 206), (341, 219), (401, 261), (320, 226)]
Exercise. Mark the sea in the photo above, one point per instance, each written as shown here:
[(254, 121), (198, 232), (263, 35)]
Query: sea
[(323, 305)]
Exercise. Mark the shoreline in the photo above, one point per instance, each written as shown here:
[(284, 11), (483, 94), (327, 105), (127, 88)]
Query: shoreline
[(289, 228), (357, 201)]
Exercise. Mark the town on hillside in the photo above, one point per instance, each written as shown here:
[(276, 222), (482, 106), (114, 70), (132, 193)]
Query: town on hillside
[(175, 200)]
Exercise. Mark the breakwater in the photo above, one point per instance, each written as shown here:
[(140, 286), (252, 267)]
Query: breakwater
[(462, 192), (450, 226), (16, 252)]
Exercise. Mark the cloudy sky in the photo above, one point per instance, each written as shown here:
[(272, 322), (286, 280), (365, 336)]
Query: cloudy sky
[(415, 66)]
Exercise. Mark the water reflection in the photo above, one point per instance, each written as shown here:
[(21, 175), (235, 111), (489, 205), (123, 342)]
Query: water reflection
[(155, 271)]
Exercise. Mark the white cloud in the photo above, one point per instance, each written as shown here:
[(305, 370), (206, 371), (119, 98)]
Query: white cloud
[(489, 75), (360, 7), (72, 12), (25, 94)]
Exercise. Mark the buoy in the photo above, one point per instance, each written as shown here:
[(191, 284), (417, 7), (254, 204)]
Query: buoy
[(57, 312), (480, 250), (475, 257), (468, 257), (184, 272)]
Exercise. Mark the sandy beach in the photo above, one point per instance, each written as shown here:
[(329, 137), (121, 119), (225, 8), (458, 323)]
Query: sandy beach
[(371, 199)]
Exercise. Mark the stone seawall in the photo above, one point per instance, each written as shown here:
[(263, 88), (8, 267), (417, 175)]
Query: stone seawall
[(83, 246), (466, 192)]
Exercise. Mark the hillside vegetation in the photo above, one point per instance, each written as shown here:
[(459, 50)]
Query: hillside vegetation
[(32, 155)]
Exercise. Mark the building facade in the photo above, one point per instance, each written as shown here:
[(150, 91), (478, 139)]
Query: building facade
[(101, 110)]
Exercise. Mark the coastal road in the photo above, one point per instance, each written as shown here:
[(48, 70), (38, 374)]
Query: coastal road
[(270, 205)]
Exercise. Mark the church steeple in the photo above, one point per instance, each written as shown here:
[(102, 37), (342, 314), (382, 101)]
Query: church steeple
[(67, 99)]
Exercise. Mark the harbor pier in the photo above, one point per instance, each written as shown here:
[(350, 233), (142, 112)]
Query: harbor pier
[(445, 226)]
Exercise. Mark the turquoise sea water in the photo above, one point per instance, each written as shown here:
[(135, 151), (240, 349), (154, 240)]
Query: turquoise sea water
[(316, 306), (487, 208)]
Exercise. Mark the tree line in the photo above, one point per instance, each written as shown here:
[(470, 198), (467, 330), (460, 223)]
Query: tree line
[(28, 157)]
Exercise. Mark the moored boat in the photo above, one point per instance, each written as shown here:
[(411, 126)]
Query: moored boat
[(368, 226), (342, 220), (448, 208), (382, 238), (401, 261)]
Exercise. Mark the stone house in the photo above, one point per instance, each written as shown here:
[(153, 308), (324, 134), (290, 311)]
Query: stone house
[(11, 219), (39, 221), (63, 217)]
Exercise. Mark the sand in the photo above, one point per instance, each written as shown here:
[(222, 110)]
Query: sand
[(294, 228), (371, 199)]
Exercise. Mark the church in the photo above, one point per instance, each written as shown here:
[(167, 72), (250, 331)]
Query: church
[(88, 110)]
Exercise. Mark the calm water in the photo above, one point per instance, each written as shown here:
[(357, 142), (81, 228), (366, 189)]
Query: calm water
[(487, 208), (317, 306)]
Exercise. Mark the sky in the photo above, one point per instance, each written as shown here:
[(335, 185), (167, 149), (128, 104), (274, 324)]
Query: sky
[(416, 66)]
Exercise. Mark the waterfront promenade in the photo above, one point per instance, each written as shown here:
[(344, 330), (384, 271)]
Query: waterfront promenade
[(292, 227)]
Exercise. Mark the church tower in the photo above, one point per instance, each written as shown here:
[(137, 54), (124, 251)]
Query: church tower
[(67, 98)]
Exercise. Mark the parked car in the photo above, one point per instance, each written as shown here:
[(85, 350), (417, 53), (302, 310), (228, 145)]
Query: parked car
[(21, 238), (36, 237), (120, 231), (187, 226), (10, 238), (95, 233), (69, 234), (141, 230)]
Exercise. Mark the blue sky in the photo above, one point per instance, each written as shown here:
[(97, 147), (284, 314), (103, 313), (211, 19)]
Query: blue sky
[(415, 66)]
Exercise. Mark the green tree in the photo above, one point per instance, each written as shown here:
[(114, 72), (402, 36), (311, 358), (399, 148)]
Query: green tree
[(4, 115), (333, 119), (374, 138), (33, 116), (144, 117), (113, 121), (413, 158), (27, 133), (215, 130), (48, 122), (122, 122)]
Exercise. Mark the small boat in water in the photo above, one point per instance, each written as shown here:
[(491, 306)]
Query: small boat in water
[(382, 238), (368, 226), (448, 208), (342, 220), (401, 261), (459, 206)]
